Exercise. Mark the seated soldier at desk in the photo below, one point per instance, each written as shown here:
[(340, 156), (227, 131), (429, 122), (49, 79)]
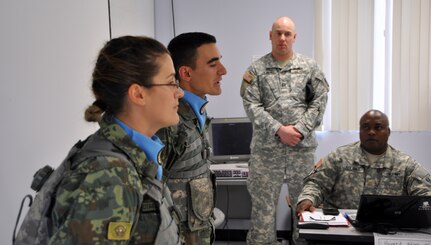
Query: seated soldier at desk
[(370, 166)]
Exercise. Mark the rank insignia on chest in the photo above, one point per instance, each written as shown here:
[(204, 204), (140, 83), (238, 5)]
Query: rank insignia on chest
[(119, 230)]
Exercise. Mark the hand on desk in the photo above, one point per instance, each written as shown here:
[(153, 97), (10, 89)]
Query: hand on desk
[(305, 205)]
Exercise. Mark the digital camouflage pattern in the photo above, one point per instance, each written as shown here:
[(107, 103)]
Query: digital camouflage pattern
[(189, 176), (111, 200), (345, 174), (272, 97)]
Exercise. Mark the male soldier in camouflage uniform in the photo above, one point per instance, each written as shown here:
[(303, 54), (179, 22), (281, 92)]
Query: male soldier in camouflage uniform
[(370, 166), (284, 95), (199, 70)]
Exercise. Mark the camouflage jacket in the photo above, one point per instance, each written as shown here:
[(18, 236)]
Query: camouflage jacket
[(274, 96), (188, 174), (108, 200), (191, 147), (340, 178)]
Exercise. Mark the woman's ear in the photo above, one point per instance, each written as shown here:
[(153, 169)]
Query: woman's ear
[(137, 94)]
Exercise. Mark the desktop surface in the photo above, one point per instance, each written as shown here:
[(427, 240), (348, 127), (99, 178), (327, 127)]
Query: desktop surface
[(342, 235)]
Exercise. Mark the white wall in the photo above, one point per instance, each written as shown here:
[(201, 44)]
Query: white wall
[(48, 49), (242, 31)]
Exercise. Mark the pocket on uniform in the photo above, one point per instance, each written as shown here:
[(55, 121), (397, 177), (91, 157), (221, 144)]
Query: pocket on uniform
[(202, 203)]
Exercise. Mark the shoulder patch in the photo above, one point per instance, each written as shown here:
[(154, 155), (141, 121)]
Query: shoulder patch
[(119, 230), (247, 77)]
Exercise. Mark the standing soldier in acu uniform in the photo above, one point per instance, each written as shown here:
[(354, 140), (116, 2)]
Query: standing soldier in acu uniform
[(284, 95), (199, 70)]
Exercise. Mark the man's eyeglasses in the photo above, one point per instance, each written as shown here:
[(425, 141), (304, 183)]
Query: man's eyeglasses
[(175, 85)]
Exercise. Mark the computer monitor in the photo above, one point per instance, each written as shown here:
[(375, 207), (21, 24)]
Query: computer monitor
[(230, 139)]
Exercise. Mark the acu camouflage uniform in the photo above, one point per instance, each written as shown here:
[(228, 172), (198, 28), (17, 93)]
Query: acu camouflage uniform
[(113, 200), (344, 175), (188, 174), (274, 96)]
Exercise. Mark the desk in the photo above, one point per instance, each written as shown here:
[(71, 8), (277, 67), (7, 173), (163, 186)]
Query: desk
[(336, 235), (339, 235)]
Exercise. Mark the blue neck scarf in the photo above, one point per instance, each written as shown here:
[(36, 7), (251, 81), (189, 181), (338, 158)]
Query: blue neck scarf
[(151, 146), (198, 106)]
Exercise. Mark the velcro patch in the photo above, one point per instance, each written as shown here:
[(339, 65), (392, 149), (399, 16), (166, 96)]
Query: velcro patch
[(119, 230), (248, 77)]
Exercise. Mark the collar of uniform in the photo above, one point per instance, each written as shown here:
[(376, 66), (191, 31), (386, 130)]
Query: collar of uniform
[(294, 64), (291, 66), (362, 159), (359, 156), (198, 106), (383, 161), (112, 131), (151, 146)]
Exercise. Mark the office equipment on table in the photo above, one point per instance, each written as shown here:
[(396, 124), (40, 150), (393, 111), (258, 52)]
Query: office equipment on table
[(384, 214), (330, 211), (319, 217), (230, 139), (350, 235), (337, 234), (313, 225), (230, 170)]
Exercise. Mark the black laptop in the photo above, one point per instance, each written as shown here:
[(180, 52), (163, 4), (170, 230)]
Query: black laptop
[(384, 214)]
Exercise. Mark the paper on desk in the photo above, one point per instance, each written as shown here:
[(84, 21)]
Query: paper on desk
[(317, 216), (402, 238)]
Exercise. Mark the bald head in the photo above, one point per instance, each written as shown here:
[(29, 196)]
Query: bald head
[(374, 113), (282, 36), (283, 21), (374, 132)]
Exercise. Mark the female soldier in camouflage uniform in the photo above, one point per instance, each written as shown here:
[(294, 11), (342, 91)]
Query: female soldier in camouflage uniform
[(120, 200)]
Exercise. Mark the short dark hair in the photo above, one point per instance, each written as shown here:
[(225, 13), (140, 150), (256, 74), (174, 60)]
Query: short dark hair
[(374, 111), (184, 46), (123, 61)]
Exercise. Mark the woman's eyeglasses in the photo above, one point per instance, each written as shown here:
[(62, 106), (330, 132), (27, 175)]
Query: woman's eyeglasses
[(176, 84)]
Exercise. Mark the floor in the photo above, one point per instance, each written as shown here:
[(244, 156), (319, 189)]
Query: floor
[(237, 237)]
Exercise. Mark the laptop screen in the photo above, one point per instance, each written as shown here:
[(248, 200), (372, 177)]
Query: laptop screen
[(394, 212)]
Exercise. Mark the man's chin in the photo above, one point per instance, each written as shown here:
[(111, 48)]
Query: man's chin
[(215, 92)]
